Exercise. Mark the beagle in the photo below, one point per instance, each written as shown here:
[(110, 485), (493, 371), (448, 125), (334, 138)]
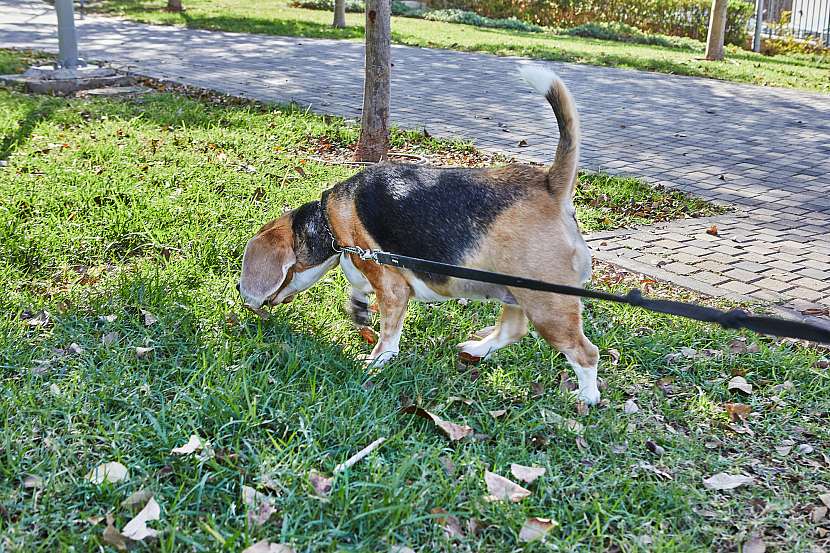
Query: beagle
[(517, 219)]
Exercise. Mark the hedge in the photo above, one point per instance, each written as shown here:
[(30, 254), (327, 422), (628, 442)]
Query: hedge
[(688, 18)]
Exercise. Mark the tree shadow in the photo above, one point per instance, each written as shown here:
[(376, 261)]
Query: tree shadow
[(261, 25), (34, 116)]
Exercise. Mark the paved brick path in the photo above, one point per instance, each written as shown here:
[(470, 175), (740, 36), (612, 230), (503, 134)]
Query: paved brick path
[(764, 151)]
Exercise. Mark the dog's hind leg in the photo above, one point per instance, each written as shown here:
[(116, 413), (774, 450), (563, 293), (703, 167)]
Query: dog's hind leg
[(558, 319), (511, 328)]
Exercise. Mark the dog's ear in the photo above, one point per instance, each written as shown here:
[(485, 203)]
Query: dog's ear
[(268, 256)]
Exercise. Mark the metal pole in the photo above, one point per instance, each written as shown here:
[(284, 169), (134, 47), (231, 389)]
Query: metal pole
[(759, 16), (67, 38)]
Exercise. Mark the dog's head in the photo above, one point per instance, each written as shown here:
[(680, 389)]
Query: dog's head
[(287, 256)]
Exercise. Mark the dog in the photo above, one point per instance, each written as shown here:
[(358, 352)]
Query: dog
[(518, 219)]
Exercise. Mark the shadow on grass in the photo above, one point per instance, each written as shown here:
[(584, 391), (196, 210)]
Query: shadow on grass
[(260, 25), (26, 126)]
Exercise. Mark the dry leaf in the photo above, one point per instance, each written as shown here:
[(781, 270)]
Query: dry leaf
[(108, 472), (537, 389), (463, 400), (754, 545), (818, 514), (502, 489), (108, 318), (369, 336), (498, 413), (468, 359), (739, 383), (149, 318), (712, 231), (32, 481), (688, 353), (141, 352), (141, 497), (447, 465), (783, 450), (526, 474), (723, 481), (630, 407), (581, 443), (535, 529), (260, 506), (655, 448), (566, 384), (110, 338), (737, 411), (193, 444), (397, 549), (320, 483), (614, 354), (54, 389), (137, 528), (112, 536), (825, 498), (264, 546), (582, 409), (451, 524), (454, 431), (805, 449)]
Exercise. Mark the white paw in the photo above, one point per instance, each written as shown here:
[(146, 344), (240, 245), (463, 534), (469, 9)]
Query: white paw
[(477, 348), (589, 395), (379, 359)]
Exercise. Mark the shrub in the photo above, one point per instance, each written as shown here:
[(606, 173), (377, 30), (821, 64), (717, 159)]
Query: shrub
[(688, 18), (472, 18), (628, 33), (791, 45), (353, 6)]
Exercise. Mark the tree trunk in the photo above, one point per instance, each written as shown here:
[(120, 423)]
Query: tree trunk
[(339, 14), (374, 127), (717, 29), (174, 5)]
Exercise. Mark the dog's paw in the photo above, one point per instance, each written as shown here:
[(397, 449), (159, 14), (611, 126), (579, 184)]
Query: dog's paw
[(379, 359), (589, 395), (477, 348)]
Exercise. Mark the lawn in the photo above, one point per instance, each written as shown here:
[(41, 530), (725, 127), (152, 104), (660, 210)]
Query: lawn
[(276, 17), (122, 226)]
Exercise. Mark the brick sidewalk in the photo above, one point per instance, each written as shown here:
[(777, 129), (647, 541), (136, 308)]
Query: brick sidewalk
[(764, 151)]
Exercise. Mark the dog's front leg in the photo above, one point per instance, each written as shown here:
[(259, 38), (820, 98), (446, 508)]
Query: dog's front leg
[(393, 293), (358, 304)]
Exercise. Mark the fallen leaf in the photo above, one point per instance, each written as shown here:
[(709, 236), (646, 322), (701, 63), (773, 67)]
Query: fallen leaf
[(737, 411), (502, 489), (582, 409), (522, 143), (320, 483), (688, 353), (825, 498), (818, 514), (498, 413), (193, 444), (651, 468), (783, 450), (526, 474), (712, 231), (723, 481), (805, 449), (452, 430), (739, 383), (108, 472), (655, 448), (397, 549), (535, 529), (137, 528), (142, 352), (54, 389), (468, 359), (149, 318), (537, 389), (463, 400), (566, 384), (141, 497), (630, 407), (369, 336), (581, 443), (754, 545), (264, 546), (260, 506), (614, 354), (112, 536), (32, 481), (110, 338), (108, 318), (450, 523)]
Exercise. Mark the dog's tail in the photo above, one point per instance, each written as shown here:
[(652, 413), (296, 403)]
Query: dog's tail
[(562, 174)]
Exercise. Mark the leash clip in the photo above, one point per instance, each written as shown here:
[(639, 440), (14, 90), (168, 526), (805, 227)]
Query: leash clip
[(365, 255)]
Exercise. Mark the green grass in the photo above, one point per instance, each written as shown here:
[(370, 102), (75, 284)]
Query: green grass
[(276, 17), (114, 206)]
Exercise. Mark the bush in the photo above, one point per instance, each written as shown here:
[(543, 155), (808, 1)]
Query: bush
[(472, 18), (791, 45), (353, 6), (689, 18), (627, 33)]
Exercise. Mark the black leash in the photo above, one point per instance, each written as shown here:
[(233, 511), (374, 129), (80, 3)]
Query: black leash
[(733, 319)]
